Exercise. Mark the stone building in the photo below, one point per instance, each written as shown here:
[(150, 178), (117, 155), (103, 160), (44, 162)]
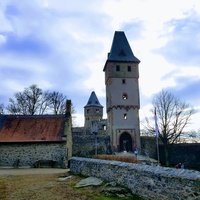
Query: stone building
[(120, 131), (36, 140), (122, 95)]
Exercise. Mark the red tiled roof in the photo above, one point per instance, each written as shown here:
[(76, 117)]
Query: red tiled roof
[(24, 128)]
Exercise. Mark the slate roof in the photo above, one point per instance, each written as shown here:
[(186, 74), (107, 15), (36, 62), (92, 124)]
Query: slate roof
[(121, 50), (93, 101), (31, 128)]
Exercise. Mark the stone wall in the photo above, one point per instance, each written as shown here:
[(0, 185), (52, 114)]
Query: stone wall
[(26, 154), (148, 144), (147, 181), (84, 144), (187, 153)]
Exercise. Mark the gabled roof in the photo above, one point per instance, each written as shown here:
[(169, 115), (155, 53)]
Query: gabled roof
[(121, 50), (93, 101), (31, 128)]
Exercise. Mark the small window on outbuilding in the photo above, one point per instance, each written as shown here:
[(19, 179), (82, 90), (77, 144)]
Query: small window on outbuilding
[(129, 68), (117, 68)]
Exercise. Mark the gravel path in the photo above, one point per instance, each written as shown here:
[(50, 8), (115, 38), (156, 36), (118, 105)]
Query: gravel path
[(27, 171)]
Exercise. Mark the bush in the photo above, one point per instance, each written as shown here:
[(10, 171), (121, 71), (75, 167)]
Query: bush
[(128, 159)]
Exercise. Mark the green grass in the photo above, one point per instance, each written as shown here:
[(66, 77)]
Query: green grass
[(118, 198)]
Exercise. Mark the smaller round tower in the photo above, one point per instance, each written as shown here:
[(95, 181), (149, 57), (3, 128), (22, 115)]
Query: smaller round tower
[(93, 111)]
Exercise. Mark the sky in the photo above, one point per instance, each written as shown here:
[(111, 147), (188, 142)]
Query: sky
[(62, 45)]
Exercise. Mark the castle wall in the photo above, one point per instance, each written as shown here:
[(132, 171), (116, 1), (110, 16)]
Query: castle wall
[(144, 180), (85, 145), (186, 153), (26, 154)]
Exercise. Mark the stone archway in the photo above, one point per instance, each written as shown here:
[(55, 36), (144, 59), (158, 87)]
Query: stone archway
[(125, 142)]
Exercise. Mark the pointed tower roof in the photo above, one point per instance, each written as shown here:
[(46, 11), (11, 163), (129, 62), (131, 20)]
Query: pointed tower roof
[(93, 101), (121, 50)]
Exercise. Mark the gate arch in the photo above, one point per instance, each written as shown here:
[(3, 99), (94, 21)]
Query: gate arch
[(125, 142)]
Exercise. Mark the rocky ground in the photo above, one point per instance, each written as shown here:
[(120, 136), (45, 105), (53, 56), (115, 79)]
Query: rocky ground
[(56, 184)]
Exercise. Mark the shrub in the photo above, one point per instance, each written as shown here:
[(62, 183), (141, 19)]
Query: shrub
[(128, 159)]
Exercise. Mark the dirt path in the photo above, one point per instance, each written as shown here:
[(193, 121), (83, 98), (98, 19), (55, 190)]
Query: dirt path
[(27, 171)]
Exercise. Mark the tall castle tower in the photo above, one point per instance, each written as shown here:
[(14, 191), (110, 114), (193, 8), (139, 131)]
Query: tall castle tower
[(93, 110), (122, 95)]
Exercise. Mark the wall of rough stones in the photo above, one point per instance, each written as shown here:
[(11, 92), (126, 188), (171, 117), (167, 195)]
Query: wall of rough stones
[(187, 153), (150, 182), (84, 144), (26, 154)]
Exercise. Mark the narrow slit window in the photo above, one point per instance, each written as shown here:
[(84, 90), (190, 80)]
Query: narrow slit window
[(123, 81), (125, 116), (129, 68)]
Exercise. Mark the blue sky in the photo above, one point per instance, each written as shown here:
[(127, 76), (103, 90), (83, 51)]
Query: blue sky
[(62, 45)]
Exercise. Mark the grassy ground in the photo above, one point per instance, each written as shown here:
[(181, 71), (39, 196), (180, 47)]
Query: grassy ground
[(48, 186)]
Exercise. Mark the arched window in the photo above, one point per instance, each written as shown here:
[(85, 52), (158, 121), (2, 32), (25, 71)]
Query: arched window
[(124, 96)]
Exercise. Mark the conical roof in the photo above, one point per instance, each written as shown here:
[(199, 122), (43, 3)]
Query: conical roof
[(121, 50), (93, 101)]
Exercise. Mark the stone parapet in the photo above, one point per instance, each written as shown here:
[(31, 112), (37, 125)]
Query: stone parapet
[(150, 182)]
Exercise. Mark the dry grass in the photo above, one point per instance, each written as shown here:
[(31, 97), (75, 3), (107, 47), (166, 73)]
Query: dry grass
[(129, 159), (41, 187), (48, 186)]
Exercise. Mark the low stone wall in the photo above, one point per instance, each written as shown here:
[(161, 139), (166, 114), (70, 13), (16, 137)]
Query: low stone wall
[(26, 154), (147, 181)]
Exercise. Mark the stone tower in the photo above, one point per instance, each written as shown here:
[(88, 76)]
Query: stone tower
[(93, 111), (122, 95)]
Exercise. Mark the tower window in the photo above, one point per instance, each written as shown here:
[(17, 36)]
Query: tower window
[(97, 110), (117, 68), (124, 96), (123, 81), (88, 110), (129, 68), (125, 116)]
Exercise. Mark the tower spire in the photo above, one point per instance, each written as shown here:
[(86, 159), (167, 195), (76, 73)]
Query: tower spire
[(93, 110)]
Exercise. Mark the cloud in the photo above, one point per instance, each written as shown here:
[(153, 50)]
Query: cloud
[(62, 45), (183, 46), (24, 45), (187, 89)]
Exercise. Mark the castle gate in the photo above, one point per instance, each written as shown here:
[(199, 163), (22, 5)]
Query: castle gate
[(125, 142)]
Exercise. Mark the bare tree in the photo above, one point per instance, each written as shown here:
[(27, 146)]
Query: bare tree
[(34, 101), (173, 116), (26, 102), (57, 102), (2, 108)]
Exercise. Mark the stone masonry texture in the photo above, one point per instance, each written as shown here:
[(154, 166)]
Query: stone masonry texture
[(26, 154), (150, 182)]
